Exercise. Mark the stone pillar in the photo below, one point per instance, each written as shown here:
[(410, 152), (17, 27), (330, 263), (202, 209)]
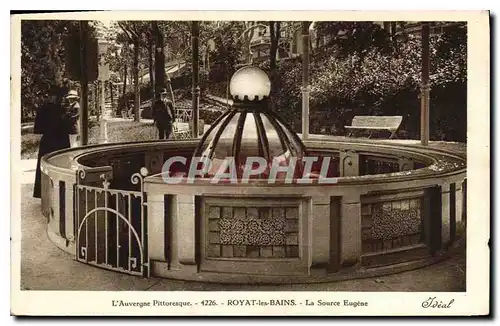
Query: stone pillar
[(459, 203), (305, 112), (432, 223), (45, 194), (156, 227), (349, 164), (70, 211), (425, 87), (84, 113), (195, 30), (186, 232), (319, 235), (464, 206), (54, 209), (445, 215), (104, 115), (350, 229), (305, 80)]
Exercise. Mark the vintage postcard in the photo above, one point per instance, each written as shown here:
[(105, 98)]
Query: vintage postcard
[(250, 163)]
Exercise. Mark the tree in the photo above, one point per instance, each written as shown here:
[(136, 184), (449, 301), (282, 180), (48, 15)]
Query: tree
[(118, 57), (354, 37), (372, 82), (150, 39), (228, 49), (159, 68), (42, 59), (134, 31)]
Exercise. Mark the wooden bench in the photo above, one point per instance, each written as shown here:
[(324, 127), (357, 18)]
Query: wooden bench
[(375, 123)]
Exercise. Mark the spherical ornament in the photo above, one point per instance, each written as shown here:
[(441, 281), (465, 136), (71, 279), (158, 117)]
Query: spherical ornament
[(250, 81)]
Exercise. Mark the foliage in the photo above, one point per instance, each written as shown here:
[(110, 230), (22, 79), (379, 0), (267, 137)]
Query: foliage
[(42, 58), (209, 116), (374, 82), (354, 37), (228, 50), (29, 145)]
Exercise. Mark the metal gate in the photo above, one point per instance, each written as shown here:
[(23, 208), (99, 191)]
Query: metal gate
[(111, 226)]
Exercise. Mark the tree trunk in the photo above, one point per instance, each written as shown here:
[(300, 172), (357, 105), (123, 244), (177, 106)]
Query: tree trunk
[(111, 97), (247, 38), (274, 28), (96, 100), (195, 31), (393, 29), (136, 81), (159, 57), (208, 57), (151, 50), (387, 27), (125, 70)]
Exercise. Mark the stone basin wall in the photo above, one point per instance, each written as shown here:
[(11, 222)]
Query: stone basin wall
[(394, 207)]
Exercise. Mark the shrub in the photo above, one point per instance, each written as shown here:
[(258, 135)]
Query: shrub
[(381, 83)]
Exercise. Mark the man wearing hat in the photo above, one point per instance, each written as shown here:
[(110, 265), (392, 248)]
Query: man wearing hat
[(163, 114), (73, 113)]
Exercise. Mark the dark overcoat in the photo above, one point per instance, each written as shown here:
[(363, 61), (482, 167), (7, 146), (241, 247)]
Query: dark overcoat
[(163, 112), (55, 125)]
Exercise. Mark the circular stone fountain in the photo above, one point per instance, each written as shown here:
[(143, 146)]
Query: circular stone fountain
[(361, 208)]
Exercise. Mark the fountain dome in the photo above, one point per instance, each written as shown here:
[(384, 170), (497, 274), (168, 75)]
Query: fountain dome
[(250, 129)]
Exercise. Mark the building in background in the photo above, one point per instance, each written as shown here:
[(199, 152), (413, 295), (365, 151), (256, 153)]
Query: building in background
[(289, 46), (399, 29)]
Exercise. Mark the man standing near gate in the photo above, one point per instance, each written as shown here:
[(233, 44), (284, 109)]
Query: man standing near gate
[(163, 114)]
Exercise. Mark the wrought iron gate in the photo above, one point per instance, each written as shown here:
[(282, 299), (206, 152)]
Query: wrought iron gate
[(111, 226)]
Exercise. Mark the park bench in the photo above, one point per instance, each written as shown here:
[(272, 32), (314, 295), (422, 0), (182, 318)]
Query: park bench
[(375, 123)]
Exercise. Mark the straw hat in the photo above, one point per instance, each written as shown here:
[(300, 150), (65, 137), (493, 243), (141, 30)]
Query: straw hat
[(72, 94)]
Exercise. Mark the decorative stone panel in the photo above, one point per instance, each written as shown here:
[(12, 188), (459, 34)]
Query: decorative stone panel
[(252, 232), (391, 224)]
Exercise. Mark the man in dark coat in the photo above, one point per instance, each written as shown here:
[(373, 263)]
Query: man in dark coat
[(54, 124), (163, 114)]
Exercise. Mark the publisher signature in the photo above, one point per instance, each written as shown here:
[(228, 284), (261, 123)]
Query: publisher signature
[(433, 302)]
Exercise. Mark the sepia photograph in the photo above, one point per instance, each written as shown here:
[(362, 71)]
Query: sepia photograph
[(320, 155)]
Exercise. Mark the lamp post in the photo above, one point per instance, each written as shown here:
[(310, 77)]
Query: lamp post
[(425, 87), (84, 115), (195, 31), (305, 89), (103, 76)]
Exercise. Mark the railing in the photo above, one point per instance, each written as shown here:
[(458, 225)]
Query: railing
[(111, 226), (181, 126)]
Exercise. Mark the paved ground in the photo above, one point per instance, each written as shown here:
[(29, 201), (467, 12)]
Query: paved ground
[(45, 267)]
